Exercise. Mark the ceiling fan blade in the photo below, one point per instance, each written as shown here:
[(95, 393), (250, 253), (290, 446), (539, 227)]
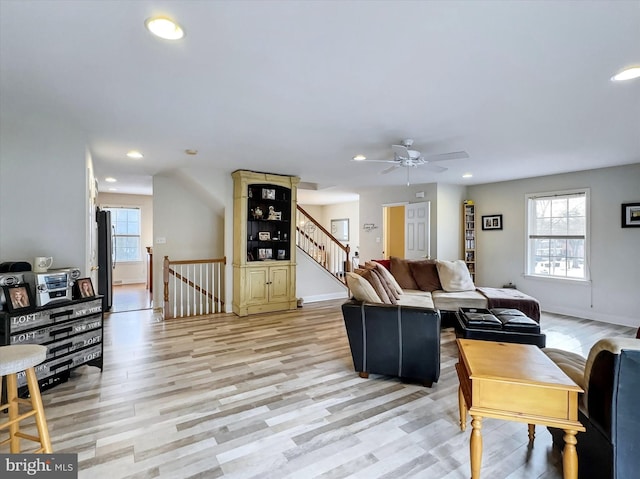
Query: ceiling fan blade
[(400, 151), (375, 161), (434, 168), (454, 155), (390, 169)]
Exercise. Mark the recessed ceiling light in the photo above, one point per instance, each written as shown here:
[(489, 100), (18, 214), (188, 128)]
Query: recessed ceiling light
[(627, 74), (164, 28), (191, 152), (110, 179), (467, 175), (135, 154), (359, 158)]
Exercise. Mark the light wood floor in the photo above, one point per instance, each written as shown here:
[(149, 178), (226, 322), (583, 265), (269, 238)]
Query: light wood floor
[(131, 297), (275, 396)]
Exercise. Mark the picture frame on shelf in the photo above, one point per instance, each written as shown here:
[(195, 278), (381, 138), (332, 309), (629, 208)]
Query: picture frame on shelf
[(268, 194), (492, 222), (18, 297), (631, 215), (282, 254), (264, 235), (83, 288), (265, 253)]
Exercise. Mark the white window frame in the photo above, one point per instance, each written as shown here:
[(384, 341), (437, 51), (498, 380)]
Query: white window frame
[(139, 235), (529, 260)]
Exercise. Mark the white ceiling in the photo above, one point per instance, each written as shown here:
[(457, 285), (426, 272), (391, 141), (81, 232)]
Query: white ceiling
[(300, 87)]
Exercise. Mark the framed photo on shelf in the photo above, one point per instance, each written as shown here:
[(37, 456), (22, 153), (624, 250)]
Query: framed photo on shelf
[(282, 254), (18, 297), (265, 253), (631, 215), (264, 236), (83, 288), (492, 222), (268, 194)]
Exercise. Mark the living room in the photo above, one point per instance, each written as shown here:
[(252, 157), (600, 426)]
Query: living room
[(53, 165)]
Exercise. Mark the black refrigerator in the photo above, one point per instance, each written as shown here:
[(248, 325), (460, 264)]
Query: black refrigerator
[(105, 258)]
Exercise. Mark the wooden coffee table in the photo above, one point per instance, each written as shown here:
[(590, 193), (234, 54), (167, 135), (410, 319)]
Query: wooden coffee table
[(516, 382)]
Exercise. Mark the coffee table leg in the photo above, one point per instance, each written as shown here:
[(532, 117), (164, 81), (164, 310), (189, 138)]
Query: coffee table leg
[(476, 446), (462, 405), (569, 455), (532, 432)]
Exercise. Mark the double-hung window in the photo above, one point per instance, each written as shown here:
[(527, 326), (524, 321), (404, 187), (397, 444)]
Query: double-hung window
[(557, 234), (126, 226)]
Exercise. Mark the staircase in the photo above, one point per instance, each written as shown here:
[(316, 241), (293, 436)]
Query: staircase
[(314, 240)]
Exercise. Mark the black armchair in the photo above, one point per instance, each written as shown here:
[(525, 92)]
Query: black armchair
[(394, 340), (609, 409)]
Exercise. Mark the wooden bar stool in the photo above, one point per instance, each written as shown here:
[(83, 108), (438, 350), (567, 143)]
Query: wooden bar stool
[(14, 359)]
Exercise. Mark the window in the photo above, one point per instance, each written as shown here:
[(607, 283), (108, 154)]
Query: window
[(557, 241), (126, 225)]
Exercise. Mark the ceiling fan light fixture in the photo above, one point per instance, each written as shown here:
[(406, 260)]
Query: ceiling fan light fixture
[(164, 27), (627, 74), (359, 158)]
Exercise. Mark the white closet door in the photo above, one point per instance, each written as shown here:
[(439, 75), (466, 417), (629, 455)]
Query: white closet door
[(417, 230)]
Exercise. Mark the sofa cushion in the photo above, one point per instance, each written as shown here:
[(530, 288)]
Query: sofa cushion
[(361, 289), (417, 300), (425, 274), (388, 277), (401, 272), (454, 276), (374, 281), (463, 299)]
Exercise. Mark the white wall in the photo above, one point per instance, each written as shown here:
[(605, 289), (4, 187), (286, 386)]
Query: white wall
[(190, 208), (612, 295), (448, 231), (44, 177), (371, 202), (314, 283), (132, 271)]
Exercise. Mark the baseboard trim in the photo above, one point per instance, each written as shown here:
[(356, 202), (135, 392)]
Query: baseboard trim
[(595, 316), (325, 297)]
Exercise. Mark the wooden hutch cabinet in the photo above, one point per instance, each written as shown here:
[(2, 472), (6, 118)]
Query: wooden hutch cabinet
[(264, 252)]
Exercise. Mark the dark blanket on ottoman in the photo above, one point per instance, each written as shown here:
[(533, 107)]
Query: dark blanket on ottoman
[(512, 298)]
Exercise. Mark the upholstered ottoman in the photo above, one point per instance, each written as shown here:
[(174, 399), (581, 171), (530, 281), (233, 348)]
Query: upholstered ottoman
[(498, 324)]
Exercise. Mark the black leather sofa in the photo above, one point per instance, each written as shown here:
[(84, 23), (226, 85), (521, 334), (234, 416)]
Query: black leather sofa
[(608, 448), (401, 341)]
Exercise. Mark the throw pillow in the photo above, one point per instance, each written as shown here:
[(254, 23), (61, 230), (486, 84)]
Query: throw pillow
[(391, 294), (361, 289), (401, 272), (425, 273), (375, 282), (388, 277), (454, 276)]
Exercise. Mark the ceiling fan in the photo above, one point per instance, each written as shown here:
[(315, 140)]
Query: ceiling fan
[(404, 156)]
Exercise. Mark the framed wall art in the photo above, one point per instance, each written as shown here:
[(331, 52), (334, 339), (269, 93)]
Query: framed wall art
[(631, 215), (492, 222), (340, 229)]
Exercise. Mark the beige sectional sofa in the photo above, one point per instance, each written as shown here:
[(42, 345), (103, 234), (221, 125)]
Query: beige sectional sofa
[(443, 285)]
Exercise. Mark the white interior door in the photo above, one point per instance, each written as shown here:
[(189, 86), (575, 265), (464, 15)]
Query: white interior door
[(417, 230)]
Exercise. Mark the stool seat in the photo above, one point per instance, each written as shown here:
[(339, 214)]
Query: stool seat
[(13, 360), (16, 358)]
